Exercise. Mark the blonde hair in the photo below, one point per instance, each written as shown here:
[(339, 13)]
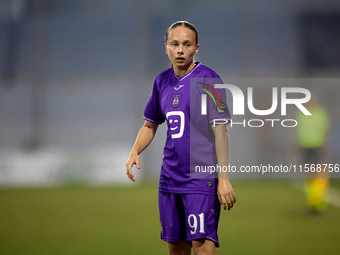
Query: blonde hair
[(185, 24)]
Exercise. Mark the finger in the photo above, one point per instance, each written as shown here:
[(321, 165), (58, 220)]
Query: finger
[(230, 205), (129, 172), (233, 197), (128, 169), (131, 176), (138, 163), (219, 197), (224, 202), (230, 202)]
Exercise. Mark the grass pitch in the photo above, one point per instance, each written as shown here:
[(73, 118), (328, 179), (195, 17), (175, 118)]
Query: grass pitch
[(269, 217)]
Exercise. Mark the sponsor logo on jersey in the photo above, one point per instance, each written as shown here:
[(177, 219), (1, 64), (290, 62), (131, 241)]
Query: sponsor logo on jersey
[(176, 121)]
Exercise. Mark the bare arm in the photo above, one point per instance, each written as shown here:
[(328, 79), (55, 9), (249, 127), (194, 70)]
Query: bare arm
[(225, 191), (144, 138)]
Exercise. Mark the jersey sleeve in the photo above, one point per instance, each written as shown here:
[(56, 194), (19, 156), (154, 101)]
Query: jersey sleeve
[(152, 110), (217, 107)]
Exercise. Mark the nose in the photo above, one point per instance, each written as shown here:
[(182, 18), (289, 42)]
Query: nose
[(180, 50)]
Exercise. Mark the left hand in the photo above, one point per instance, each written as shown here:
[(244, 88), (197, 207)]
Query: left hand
[(225, 193)]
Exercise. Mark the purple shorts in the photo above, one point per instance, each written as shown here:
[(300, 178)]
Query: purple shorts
[(188, 217)]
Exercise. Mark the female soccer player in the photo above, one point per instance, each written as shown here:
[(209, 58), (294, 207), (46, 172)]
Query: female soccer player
[(190, 197)]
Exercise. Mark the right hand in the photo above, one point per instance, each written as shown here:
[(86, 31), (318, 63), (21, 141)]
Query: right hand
[(133, 160)]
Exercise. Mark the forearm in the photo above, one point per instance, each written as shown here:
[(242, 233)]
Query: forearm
[(222, 149), (225, 192), (144, 137)]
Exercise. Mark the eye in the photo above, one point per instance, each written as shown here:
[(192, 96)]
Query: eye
[(174, 44), (188, 44)]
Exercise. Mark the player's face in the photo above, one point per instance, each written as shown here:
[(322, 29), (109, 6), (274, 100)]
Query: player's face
[(181, 47)]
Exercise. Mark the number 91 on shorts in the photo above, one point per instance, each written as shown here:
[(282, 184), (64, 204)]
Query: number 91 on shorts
[(189, 216)]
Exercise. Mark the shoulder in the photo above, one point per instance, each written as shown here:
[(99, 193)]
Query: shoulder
[(205, 71), (162, 78), (164, 75)]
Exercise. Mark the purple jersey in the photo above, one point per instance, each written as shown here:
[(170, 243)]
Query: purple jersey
[(190, 140)]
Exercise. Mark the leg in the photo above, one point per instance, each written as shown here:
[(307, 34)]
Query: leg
[(204, 247), (179, 248), (316, 185), (172, 219), (316, 191), (203, 212)]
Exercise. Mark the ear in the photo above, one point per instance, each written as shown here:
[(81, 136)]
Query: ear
[(166, 49), (197, 46)]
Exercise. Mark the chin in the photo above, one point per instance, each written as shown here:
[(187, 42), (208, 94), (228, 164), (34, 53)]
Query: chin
[(183, 65)]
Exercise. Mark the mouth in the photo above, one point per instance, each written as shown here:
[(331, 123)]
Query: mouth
[(180, 59)]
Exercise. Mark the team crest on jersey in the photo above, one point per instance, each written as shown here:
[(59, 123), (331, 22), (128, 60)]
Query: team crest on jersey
[(176, 100)]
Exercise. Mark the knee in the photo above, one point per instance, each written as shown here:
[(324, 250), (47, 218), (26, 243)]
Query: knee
[(198, 251), (204, 247), (203, 251)]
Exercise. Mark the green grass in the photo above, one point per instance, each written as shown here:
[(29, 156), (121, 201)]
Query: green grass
[(335, 183), (269, 218)]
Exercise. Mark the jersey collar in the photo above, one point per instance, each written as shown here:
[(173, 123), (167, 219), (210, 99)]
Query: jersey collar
[(182, 78)]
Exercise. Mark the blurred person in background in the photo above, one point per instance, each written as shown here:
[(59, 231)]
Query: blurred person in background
[(189, 207), (312, 131)]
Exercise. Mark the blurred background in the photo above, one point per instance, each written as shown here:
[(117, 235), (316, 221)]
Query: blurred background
[(75, 76)]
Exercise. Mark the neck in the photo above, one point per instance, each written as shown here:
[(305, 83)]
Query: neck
[(181, 72)]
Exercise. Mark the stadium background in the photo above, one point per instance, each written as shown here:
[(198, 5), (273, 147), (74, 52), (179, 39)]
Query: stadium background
[(75, 77)]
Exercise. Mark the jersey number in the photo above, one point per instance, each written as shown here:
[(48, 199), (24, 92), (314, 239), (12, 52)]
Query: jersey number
[(192, 221)]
